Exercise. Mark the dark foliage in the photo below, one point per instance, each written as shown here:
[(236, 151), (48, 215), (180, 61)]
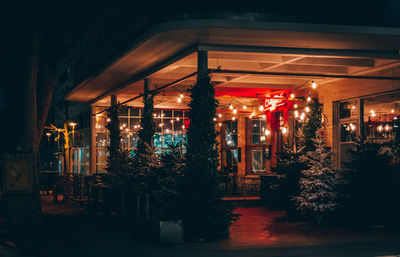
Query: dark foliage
[(204, 214), (289, 166), (119, 161), (371, 194)]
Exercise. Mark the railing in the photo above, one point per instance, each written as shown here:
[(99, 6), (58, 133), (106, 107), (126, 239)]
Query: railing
[(239, 186)]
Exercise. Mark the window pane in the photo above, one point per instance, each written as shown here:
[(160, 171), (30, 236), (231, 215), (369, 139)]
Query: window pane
[(157, 140), (257, 161), (255, 139), (255, 126), (348, 132)]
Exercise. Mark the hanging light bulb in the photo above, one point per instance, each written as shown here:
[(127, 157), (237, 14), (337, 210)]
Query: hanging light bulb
[(302, 116), (387, 127), (219, 115), (296, 114), (244, 107), (181, 95), (292, 95), (233, 118), (215, 119), (353, 107), (295, 106), (284, 130), (309, 99), (307, 109), (251, 115), (261, 108), (177, 119), (179, 99), (313, 84), (392, 111), (220, 124), (234, 111), (231, 106), (380, 128), (172, 121), (267, 132), (183, 127)]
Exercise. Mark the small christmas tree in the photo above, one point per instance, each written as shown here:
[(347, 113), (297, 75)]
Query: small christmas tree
[(289, 165), (318, 197)]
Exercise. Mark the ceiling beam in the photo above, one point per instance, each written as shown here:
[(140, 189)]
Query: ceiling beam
[(359, 62), (304, 51)]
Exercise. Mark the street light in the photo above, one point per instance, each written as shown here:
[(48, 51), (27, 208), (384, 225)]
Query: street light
[(73, 124)]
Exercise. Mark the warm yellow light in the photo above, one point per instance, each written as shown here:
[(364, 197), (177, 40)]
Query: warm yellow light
[(72, 124), (244, 107), (267, 132), (177, 119), (179, 99), (307, 109), (234, 111), (108, 119), (387, 127), (215, 119), (292, 96), (392, 110), (284, 130), (231, 106), (314, 85), (48, 134), (183, 126), (181, 95), (353, 107), (295, 106), (219, 115), (380, 128), (261, 108), (309, 99), (296, 114), (233, 118), (172, 121), (220, 124)]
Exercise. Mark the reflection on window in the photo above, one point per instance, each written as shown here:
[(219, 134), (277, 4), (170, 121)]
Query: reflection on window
[(229, 161), (258, 129), (257, 161), (348, 132), (169, 128), (231, 133), (382, 116)]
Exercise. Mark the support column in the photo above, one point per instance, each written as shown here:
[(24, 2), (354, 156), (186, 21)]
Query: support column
[(202, 63), (147, 131), (92, 164), (362, 133), (114, 100)]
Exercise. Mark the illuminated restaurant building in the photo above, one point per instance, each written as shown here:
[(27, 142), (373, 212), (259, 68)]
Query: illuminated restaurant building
[(263, 73)]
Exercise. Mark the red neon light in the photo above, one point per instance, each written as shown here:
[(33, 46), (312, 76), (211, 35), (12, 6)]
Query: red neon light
[(274, 102)]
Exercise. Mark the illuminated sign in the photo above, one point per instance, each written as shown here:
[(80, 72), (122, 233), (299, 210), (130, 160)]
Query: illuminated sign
[(273, 102)]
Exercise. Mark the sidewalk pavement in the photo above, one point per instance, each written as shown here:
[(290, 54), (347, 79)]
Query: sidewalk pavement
[(260, 232)]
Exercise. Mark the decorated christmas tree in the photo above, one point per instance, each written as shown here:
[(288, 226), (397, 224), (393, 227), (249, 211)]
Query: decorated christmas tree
[(204, 213), (313, 121), (318, 197)]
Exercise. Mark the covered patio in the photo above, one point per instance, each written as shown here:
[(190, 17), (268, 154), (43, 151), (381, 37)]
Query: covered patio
[(251, 66)]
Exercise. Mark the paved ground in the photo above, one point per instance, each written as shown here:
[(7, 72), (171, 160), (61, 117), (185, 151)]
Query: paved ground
[(73, 232)]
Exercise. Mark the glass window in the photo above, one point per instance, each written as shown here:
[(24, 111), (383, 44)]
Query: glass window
[(168, 129), (382, 116), (258, 162), (230, 132), (258, 127), (348, 132), (230, 161)]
